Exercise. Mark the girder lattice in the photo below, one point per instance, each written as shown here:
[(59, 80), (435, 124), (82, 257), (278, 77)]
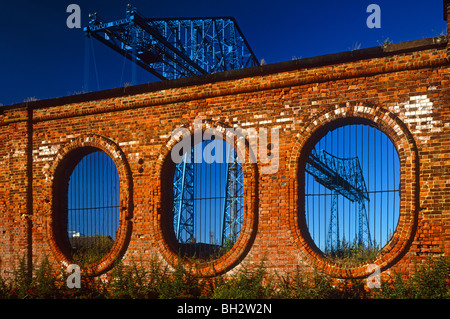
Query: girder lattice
[(233, 205), (178, 47), (343, 176), (183, 204), (184, 209)]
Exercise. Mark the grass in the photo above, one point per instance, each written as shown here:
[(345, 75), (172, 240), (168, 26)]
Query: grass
[(155, 281), (86, 253), (352, 253)]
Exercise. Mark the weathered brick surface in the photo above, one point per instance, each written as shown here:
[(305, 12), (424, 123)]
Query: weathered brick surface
[(401, 89)]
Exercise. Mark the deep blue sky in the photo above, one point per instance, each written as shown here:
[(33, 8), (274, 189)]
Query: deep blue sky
[(41, 58)]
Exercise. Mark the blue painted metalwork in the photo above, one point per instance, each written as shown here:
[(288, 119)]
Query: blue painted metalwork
[(183, 207), (333, 242), (233, 210), (175, 48), (344, 177), (230, 214)]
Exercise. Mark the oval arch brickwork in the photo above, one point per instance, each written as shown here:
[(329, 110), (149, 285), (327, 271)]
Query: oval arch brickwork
[(160, 219), (55, 175), (403, 141)]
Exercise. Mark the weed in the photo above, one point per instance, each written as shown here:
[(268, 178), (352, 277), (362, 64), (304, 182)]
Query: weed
[(352, 253), (246, 284), (431, 280)]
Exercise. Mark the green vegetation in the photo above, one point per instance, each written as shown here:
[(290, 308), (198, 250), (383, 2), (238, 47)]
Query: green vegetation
[(87, 250), (352, 253), (430, 281)]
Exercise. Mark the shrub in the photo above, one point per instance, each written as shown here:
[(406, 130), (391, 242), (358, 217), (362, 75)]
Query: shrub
[(431, 280), (316, 285), (128, 282), (133, 281), (245, 284), (180, 283)]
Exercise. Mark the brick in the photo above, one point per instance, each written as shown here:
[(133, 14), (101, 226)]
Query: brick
[(403, 92)]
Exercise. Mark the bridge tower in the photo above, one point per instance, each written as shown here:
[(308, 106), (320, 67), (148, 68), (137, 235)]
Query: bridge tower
[(175, 48), (343, 176)]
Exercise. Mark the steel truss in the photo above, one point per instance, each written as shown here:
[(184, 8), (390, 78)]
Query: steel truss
[(175, 48), (343, 176), (184, 208), (233, 210)]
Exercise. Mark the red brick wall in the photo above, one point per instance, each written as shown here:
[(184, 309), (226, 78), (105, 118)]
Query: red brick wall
[(401, 89)]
